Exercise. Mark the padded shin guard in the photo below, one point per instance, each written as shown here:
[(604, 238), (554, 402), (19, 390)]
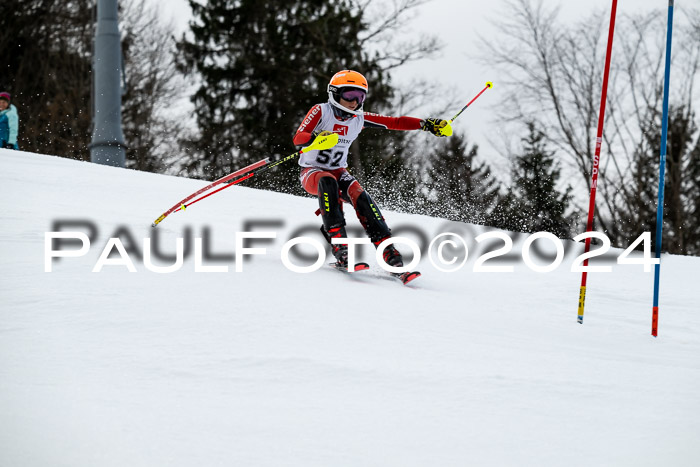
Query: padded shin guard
[(329, 202), (371, 218)]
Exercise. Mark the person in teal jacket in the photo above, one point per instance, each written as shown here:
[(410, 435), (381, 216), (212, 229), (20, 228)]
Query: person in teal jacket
[(9, 122)]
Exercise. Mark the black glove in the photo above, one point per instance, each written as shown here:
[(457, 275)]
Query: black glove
[(437, 126)]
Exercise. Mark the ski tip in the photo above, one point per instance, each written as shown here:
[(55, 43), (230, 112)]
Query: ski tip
[(407, 277)]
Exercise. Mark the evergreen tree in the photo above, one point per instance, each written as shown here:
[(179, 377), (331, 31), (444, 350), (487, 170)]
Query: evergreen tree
[(263, 64), (533, 203), (459, 187), (682, 183), (634, 200), (637, 196)]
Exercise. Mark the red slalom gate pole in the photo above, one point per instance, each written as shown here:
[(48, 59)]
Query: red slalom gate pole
[(596, 161)]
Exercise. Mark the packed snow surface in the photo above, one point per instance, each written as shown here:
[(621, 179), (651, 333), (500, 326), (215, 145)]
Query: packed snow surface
[(269, 367)]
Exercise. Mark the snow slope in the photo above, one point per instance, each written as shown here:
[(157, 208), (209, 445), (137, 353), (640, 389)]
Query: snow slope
[(267, 367)]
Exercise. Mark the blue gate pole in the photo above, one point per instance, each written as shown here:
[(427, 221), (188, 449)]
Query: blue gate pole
[(662, 175)]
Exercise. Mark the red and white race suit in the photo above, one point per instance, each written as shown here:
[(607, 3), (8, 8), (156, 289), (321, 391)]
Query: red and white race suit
[(321, 118)]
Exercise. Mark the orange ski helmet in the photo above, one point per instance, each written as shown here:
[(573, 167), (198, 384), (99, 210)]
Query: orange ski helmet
[(344, 81)]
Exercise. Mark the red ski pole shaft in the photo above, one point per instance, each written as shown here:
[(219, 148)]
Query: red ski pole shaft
[(230, 184), (248, 175), (320, 143), (489, 84), (223, 179)]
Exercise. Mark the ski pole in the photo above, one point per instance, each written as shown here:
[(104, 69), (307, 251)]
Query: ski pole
[(223, 179), (320, 143), (447, 129), (243, 178), (489, 84)]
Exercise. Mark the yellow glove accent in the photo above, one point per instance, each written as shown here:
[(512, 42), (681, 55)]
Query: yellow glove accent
[(445, 128), (437, 126)]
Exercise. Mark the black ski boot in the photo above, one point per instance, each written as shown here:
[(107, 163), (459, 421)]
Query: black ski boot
[(333, 219), (373, 221), (393, 258), (340, 251), (391, 255), (374, 224)]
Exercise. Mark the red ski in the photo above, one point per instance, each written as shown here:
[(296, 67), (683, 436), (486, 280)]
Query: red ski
[(407, 276), (343, 268), (404, 277)]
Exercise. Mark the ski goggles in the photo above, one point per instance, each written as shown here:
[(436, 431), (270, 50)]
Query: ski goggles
[(353, 95)]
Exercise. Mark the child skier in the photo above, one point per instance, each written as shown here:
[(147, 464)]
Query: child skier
[(324, 173)]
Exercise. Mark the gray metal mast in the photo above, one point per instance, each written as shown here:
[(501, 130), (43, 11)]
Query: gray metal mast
[(107, 147)]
